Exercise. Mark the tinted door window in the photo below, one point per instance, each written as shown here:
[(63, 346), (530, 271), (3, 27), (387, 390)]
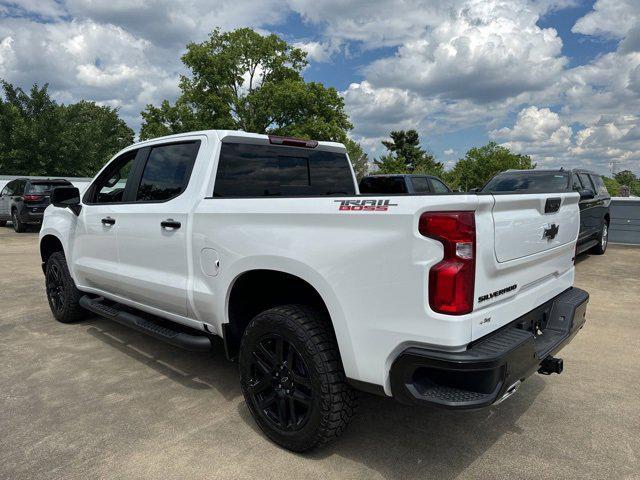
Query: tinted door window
[(420, 184), (8, 189), (18, 189), (263, 170), (586, 181), (438, 186), (600, 186), (576, 184), (167, 171), (110, 186)]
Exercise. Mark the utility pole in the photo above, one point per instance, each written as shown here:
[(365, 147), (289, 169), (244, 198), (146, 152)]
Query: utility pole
[(613, 167)]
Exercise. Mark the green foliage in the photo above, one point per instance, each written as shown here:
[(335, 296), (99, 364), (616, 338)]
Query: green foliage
[(406, 156), (481, 163), (613, 187), (241, 80), (40, 137), (359, 159), (628, 178)]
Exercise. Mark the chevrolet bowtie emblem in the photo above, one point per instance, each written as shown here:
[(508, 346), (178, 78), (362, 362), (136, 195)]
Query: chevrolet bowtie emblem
[(551, 232)]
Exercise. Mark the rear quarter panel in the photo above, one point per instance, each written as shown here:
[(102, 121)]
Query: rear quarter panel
[(370, 267)]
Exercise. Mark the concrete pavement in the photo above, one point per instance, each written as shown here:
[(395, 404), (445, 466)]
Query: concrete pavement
[(97, 400)]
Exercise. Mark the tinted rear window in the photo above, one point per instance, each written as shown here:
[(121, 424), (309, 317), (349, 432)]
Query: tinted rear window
[(383, 185), (528, 183), (44, 188), (246, 170)]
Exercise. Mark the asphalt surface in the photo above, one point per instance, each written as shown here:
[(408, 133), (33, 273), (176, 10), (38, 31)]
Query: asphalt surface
[(97, 400)]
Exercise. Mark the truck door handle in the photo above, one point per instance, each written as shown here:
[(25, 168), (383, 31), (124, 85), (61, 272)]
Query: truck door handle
[(108, 221), (170, 223)]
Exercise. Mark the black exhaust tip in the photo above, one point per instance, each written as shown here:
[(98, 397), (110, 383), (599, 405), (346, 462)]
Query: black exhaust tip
[(550, 365)]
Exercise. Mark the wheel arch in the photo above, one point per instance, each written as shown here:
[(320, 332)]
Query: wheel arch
[(269, 287), (49, 244)]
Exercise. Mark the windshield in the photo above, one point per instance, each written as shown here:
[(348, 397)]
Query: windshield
[(44, 188), (525, 182)]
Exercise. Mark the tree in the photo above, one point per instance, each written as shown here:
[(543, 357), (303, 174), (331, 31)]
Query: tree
[(359, 159), (613, 187), (242, 80), (628, 178), (40, 137), (481, 163), (405, 155)]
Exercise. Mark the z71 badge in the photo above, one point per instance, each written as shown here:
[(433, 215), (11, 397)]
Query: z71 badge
[(381, 205)]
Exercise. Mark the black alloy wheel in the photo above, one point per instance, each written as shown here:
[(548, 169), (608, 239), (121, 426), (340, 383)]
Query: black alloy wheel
[(292, 377), (63, 296), (54, 282), (279, 383)]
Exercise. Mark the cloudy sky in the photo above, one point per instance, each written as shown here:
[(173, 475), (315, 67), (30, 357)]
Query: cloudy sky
[(556, 79)]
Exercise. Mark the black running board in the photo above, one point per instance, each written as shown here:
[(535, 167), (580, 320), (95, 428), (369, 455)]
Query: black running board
[(586, 246), (194, 343)]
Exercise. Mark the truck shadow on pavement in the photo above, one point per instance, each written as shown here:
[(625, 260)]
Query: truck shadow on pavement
[(395, 440), (400, 441), (198, 371)]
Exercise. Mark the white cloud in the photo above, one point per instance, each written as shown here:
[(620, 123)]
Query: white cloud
[(446, 65), (485, 52), (449, 151), (82, 60), (609, 18), (541, 133), (376, 111), (318, 51)]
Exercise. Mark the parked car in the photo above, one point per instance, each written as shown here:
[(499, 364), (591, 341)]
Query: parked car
[(316, 290), (594, 199), (396, 183), (23, 201)]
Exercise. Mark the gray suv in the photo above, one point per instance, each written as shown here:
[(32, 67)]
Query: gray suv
[(22, 201)]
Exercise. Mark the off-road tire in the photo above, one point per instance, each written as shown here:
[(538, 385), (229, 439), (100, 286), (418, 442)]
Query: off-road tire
[(333, 401), (62, 294), (18, 226), (603, 240)]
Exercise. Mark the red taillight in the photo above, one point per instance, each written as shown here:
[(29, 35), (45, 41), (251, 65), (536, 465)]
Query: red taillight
[(31, 198), (451, 281), (292, 142)]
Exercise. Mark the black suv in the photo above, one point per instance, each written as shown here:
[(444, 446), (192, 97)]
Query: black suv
[(594, 198), (403, 183), (22, 201)]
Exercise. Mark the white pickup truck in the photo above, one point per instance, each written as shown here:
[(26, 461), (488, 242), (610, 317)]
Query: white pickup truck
[(317, 291)]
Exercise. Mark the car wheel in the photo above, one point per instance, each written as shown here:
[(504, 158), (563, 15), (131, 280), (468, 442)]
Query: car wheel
[(292, 378), (603, 240), (63, 296), (3, 223), (18, 226)]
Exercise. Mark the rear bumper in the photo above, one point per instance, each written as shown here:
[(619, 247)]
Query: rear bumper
[(491, 366), (32, 215)]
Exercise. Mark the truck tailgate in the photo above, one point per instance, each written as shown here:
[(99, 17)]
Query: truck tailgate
[(525, 251), (525, 225)]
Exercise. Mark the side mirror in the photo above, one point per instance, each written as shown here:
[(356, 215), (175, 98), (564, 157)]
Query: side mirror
[(586, 194), (66, 197)]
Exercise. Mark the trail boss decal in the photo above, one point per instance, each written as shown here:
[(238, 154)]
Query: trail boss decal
[(497, 293), (381, 205)]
